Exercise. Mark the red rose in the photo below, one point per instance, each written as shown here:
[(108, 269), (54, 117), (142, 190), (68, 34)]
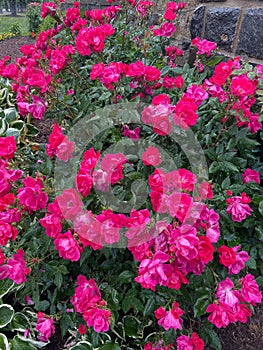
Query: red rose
[(151, 156), (227, 256), (7, 147)]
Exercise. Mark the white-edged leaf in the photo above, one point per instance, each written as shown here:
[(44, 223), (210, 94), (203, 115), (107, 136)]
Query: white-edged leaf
[(4, 345), (5, 286), (6, 314)]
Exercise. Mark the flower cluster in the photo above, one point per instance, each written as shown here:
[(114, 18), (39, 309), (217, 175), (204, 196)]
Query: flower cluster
[(232, 305), (28, 199), (87, 301)]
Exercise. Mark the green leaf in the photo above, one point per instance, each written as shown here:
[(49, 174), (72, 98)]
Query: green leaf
[(65, 324), (214, 340), (18, 125), (38, 344), (131, 326), (13, 132), (126, 276), (260, 208), (20, 322), (149, 307), (6, 314), (4, 342), (104, 96), (10, 114), (31, 130), (214, 61), (58, 279), (110, 346), (251, 263), (226, 183), (83, 345), (136, 304), (5, 286), (228, 166), (201, 305), (43, 305), (18, 344)]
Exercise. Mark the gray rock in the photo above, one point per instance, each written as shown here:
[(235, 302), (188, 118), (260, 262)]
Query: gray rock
[(221, 25), (197, 22), (251, 34)]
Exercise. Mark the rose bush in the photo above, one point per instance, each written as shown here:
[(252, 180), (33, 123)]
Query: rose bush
[(93, 256)]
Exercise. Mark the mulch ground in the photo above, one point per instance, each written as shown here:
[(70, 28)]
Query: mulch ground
[(239, 336), (10, 47)]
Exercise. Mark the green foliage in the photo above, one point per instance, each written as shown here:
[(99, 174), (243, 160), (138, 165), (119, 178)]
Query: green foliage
[(229, 150), (33, 16)]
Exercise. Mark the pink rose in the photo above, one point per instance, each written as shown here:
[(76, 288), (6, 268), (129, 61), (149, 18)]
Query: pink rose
[(16, 268), (65, 150), (98, 318), (7, 232), (32, 195), (37, 108), (67, 247), (7, 147), (86, 295), (45, 326), (251, 175), (250, 290), (238, 208), (70, 203), (151, 156)]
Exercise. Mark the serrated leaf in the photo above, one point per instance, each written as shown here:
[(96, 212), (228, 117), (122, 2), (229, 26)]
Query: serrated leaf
[(126, 276), (149, 307), (58, 279), (65, 324), (43, 305), (6, 314), (226, 183), (201, 305)]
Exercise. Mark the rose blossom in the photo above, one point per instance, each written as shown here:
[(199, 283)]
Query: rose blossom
[(151, 156), (44, 326), (67, 247), (98, 318), (251, 175)]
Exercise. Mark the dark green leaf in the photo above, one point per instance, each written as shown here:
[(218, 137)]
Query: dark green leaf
[(6, 314), (4, 342), (251, 263), (149, 307), (201, 305), (126, 276)]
